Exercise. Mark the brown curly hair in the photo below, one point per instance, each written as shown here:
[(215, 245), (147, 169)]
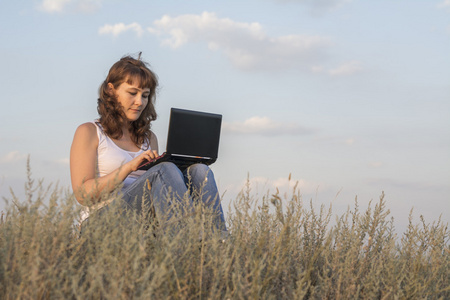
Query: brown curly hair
[(112, 117)]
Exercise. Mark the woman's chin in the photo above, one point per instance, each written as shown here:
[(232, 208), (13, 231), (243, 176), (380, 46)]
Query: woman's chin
[(133, 118)]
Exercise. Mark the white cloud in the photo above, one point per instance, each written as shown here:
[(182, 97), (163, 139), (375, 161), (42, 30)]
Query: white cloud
[(59, 6), (318, 6), (336, 140), (246, 45), (347, 68), (284, 185), (89, 5), (120, 28), (444, 4), (375, 164), (63, 161), (12, 157), (52, 6), (350, 141), (264, 126)]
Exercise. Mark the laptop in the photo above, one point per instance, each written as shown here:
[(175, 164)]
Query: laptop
[(193, 137)]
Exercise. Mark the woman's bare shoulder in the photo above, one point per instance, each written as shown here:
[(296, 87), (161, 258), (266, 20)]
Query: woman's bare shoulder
[(87, 126), (87, 132)]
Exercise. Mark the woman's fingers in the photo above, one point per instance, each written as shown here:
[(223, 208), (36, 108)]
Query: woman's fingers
[(150, 154)]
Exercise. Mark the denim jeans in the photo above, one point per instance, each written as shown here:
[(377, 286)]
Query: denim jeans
[(165, 182)]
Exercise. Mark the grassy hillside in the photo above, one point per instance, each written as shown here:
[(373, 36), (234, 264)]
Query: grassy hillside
[(278, 249)]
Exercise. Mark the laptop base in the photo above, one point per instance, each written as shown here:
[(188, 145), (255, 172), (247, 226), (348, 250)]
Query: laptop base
[(182, 162)]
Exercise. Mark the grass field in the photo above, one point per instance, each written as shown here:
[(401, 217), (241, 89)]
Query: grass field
[(279, 248)]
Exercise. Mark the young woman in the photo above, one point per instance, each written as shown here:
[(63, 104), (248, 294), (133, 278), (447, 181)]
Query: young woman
[(107, 152)]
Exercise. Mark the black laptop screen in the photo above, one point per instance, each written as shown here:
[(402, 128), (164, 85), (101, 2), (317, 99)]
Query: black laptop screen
[(194, 133)]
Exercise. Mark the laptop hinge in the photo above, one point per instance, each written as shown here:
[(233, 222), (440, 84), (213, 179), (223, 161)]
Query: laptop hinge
[(190, 156)]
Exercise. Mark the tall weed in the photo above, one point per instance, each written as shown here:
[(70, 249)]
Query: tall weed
[(279, 248)]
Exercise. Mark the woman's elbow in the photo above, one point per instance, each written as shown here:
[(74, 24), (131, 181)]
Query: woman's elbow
[(83, 195)]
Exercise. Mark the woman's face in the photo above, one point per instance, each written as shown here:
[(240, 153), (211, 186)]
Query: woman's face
[(132, 98)]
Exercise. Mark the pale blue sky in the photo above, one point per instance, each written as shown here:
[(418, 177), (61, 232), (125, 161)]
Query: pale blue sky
[(350, 97)]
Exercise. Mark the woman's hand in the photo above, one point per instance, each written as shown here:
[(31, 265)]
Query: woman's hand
[(145, 156)]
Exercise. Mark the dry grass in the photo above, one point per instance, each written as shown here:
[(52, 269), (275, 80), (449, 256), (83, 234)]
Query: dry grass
[(278, 249)]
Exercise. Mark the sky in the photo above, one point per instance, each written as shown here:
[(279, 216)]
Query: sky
[(348, 99)]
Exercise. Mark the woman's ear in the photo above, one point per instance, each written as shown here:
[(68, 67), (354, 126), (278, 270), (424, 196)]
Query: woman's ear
[(110, 87), (110, 90)]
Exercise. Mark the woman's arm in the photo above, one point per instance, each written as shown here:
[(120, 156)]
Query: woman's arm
[(83, 160)]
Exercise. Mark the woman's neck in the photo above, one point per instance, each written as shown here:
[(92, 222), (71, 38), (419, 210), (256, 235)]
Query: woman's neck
[(126, 133), (125, 141)]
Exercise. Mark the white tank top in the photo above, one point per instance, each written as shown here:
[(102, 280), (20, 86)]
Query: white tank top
[(109, 158)]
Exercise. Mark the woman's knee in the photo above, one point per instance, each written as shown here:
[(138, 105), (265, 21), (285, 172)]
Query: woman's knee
[(199, 172), (169, 168)]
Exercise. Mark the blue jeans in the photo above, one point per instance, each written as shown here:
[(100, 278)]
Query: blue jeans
[(164, 183)]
